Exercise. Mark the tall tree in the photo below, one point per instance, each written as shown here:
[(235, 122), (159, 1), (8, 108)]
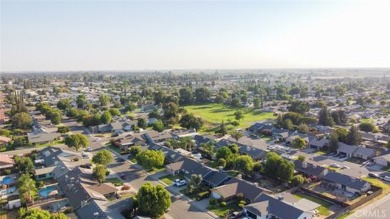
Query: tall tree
[(153, 201), (99, 172), (237, 135), (77, 141), (106, 117), (202, 95), (21, 121), (324, 117), (150, 158), (354, 137), (186, 96), (103, 157), (238, 115)]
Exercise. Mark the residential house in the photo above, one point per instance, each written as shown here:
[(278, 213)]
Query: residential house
[(6, 161), (271, 207), (347, 183), (383, 160), (4, 140), (237, 187), (156, 137), (356, 151), (42, 137), (319, 143), (309, 169), (189, 167)]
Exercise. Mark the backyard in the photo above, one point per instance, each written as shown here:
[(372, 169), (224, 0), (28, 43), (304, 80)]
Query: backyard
[(223, 210), (215, 113), (323, 209)]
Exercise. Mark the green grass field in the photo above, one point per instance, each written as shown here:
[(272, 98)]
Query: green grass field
[(215, 113), (377, 182)]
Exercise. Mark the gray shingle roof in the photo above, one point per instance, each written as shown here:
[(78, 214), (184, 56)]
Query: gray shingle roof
[(346, 180)]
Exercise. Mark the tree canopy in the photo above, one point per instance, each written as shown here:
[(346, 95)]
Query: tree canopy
[(153, 201), (77, 141), (150, 158), (103, 157)]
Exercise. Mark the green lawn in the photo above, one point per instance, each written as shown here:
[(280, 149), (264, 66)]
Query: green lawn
[(320, 153), (266, 138), (222, 211), (345, 215), (377, 182), (215, 113), (56, 142), (323, 209), (367, 120), (115, 181), (169, 179)]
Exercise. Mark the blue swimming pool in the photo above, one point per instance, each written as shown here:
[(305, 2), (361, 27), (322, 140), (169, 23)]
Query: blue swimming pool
[(8, 180), (45, 192)]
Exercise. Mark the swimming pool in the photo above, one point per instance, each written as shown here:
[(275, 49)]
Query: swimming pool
[(45, 192), (8, 180)]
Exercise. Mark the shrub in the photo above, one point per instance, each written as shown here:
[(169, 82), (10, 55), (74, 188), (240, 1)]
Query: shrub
[(76, 159), (223, 204), (7, 172), (203, 195), (212, 201), (235, 123)]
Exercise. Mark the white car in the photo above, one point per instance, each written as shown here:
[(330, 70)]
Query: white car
[(89, 149), (345, 167), (335, 165), (180, 183)]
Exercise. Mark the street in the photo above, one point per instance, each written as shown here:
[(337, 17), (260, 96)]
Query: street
[(380, 209)]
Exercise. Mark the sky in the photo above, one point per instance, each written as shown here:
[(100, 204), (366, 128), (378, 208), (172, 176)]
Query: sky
[(162, 35)]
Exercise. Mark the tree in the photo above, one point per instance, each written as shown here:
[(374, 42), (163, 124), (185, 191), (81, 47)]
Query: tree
[(324, 117), (27, 188), (208, 149), (104, 100), (238, 115), (63, 104), (38, 213), (103, 157), (21, 121), (333, 144), (354, 137), (55, 117), (222, 128), (189, 121), (223, 152), (150, 158), (194, 183), (299, 107), (301, 158), (244, 164), (368, 127), (237, 134), (77, 141), (202, 95), (142, 123), (63, 129), (106, 117), (256, 102), (278, 168), (99, 172), (297, 180), (299, 143), (288, 124), (135, 150), (186, 96), (342, 134), (222, 162), (115, 112), (24, 165), (339, 117), (153, 201), (158, 126), (234, 148), (81, 101), (303, 128)]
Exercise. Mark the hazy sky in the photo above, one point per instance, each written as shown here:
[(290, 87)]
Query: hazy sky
[(137, 35)]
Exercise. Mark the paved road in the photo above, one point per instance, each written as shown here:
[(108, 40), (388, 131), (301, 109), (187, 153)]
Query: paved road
[(377, 210)]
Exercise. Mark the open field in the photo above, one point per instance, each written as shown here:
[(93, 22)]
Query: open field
[(215, 113)]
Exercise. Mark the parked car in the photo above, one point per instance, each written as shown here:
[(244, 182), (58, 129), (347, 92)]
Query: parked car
[(89, 149), (373, 175), (386, 178), (335, 165), (345, 167), (180, 183)]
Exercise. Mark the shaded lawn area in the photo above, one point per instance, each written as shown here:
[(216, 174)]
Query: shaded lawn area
[(322, 210), (169, 179), (222, 211), (266, 138), (214, 113), (115, 181), (320, 153), (56, 142), (377, 182)]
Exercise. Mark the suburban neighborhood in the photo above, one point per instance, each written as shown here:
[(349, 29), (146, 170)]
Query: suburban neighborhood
[(268, 145)]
